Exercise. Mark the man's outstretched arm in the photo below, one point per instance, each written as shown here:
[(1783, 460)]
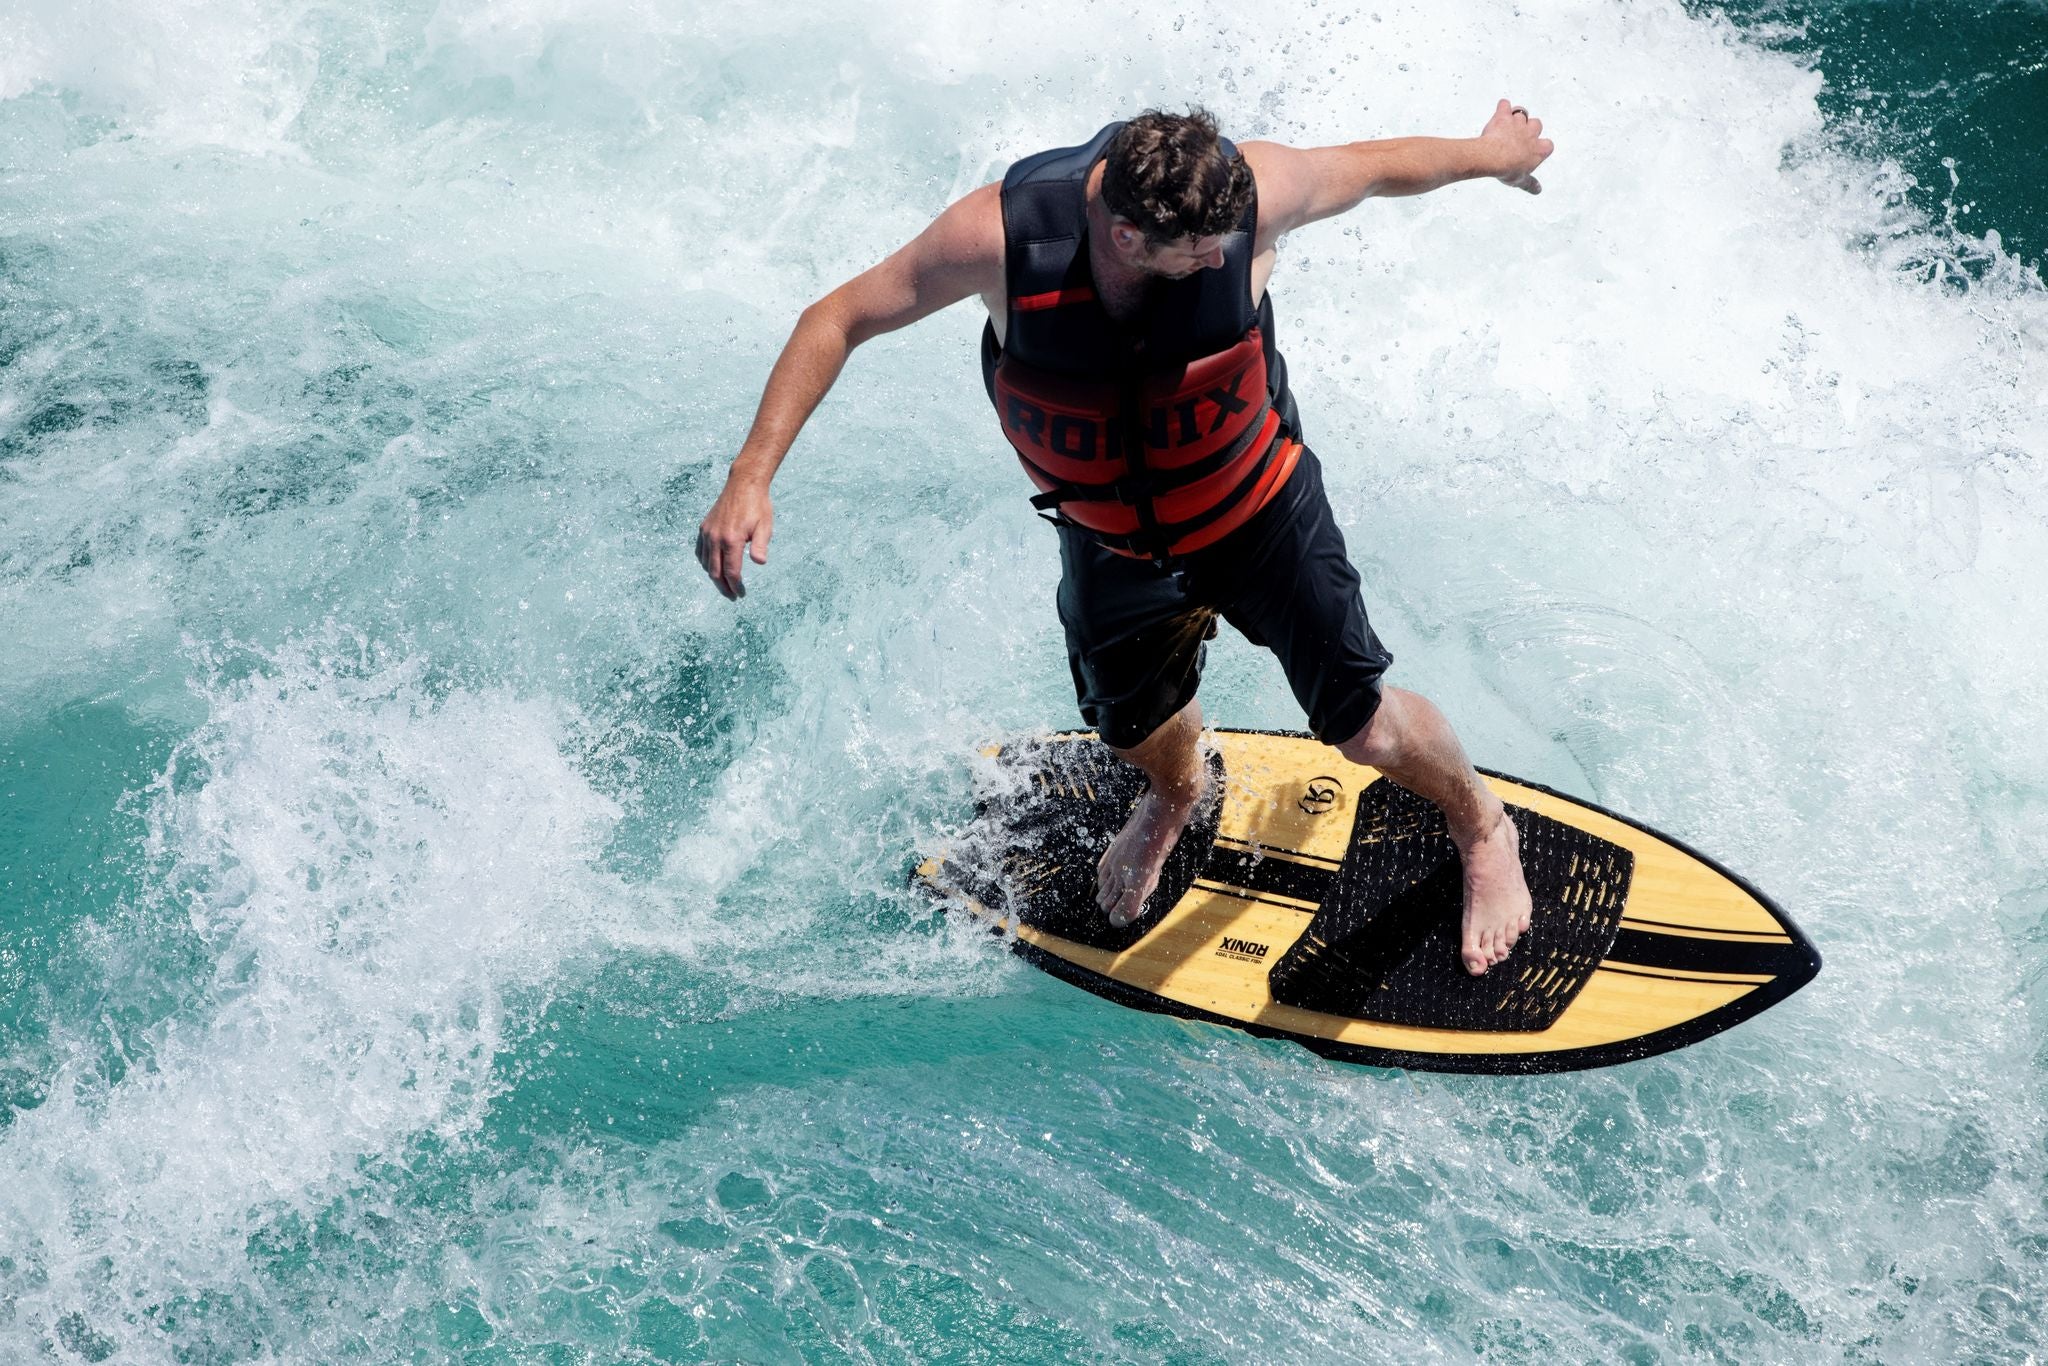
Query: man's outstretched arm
[(960, 254), (1303, 185)]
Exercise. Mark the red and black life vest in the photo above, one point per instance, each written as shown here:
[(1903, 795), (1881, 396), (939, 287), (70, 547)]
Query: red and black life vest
[(1162, 435)]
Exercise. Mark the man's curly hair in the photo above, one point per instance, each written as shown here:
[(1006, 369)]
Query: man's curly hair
[(1168, 174)]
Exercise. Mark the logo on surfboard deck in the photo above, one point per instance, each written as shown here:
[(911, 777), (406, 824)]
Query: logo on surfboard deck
[(1244, 950), (1322, 793)]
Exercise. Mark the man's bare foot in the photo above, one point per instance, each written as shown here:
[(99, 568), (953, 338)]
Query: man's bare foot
[(1497, 903), (1128, 871)]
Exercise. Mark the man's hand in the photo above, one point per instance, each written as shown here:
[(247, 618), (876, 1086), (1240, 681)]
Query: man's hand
[(743, 514), (959, 255), (1517, 139)]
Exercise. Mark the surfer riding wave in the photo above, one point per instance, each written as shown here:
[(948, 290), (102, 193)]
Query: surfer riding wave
[(1131, 358)]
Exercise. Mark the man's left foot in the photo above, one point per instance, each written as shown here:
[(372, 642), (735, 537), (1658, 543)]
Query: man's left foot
[(1497, 905)]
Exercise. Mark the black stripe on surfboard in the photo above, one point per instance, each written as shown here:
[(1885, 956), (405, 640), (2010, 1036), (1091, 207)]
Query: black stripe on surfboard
[(1255, 849), (1270, 874), (1628, 919), (1731, 979), (1225, 889), (1681, 953), (1283, 877)]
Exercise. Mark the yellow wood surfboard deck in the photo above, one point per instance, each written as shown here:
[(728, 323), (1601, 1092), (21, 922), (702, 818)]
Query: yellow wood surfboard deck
[(1313, 900)]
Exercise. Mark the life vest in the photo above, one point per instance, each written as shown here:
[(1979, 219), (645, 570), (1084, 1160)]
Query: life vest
[(1162, 435)]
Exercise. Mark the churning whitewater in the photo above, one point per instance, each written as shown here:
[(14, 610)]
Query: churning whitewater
[(438, 926)]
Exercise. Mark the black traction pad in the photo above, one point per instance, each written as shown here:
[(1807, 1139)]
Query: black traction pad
[(1385, 944), (1068, 803)]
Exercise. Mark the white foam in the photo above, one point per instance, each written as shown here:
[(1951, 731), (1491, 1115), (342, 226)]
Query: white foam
[(374, 867), (235, 73)]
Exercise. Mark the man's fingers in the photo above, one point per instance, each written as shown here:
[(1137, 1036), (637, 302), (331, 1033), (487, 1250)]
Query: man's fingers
[(733, 559), (1505, 112), (710, 559), (714, 564), (761, 535)]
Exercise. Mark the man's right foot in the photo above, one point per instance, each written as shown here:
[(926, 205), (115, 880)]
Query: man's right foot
[(1128, 872)]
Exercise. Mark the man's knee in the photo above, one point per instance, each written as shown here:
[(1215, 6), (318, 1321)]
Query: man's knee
[(1140, 745), (1378, 741)]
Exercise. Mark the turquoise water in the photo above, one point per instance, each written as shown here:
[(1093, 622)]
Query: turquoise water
[(435, 926)]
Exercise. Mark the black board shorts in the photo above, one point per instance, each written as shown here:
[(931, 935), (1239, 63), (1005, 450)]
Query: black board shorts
[(1137, 630)]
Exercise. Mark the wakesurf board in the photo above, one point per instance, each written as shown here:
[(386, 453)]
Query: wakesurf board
[(1312, 899)]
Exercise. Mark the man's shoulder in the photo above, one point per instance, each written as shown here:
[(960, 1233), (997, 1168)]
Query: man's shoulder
[(974, 222), (965, 241), (1264, 155), (1284, 179)]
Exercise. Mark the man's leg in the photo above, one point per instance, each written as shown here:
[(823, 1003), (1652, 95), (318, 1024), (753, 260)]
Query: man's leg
[(1409, 740), (1171, 759), (1135, 645), (1295, 591)]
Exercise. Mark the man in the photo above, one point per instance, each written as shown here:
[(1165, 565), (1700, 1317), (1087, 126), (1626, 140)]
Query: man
[(1130, 355)]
